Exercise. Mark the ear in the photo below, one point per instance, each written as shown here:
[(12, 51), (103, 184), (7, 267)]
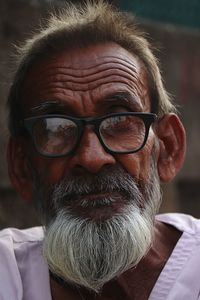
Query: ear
[(19, 168), (172, 146)]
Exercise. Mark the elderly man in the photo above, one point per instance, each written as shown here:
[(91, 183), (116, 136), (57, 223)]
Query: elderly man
[(92, 134)]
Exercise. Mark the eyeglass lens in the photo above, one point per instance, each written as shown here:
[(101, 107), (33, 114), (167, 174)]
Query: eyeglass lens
[(58, 136), (55, 135), (123, 133)]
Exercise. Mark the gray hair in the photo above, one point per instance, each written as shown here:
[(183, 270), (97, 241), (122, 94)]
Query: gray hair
[(79, 26), (91, 253)]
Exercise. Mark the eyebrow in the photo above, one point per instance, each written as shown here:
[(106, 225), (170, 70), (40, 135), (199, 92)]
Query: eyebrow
[(124, 97), (47, 105)]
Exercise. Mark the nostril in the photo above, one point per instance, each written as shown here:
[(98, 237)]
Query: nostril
[(90, 159)]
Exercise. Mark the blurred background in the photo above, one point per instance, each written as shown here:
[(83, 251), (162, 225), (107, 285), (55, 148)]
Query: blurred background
[(174, 29)]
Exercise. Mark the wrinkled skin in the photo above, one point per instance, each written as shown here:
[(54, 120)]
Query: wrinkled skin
[(87, 83)]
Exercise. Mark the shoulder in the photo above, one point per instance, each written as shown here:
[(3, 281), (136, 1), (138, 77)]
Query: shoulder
[(17, 247), (182, 222), (179, 278), (15, 235), (14, 243)]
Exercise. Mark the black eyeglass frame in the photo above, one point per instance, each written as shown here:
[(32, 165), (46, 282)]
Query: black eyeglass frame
[(148, 119)]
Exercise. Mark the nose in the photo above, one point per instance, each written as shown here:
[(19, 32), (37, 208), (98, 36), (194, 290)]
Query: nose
[(90, 155)]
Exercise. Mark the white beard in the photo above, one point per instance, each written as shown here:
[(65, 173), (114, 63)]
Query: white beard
[(89, 253)]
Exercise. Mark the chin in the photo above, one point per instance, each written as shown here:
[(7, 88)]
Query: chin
[(93, 253)]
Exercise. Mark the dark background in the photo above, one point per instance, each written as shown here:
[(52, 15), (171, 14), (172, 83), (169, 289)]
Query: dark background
[(174, 29)]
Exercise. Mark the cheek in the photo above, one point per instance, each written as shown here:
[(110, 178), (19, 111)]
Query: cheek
[(50, 170), (138, 164)]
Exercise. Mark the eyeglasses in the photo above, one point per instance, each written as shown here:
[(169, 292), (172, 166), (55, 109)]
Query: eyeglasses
[(60, 135)]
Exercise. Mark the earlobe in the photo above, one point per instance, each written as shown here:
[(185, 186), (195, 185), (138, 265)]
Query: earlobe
[(18, 168), (172, 146)]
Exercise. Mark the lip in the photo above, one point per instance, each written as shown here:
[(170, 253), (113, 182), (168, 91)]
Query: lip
[(98, 201), (113, 196), (97, 207), (98, 196)]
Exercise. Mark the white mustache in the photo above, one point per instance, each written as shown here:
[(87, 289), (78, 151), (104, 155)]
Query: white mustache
[(112, 180)]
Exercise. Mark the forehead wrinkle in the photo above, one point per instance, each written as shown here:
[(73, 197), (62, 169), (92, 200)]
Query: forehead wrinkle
[(60, 74), (82, 69), (113, 70), (74, 86), (66, 88), (64, 80), (89, 71), (90, 63)]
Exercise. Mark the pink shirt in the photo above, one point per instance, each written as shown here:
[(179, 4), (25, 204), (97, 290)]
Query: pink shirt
[(24, 273)]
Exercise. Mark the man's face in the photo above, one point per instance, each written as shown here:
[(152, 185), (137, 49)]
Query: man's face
[(87, 83), (97, 206)]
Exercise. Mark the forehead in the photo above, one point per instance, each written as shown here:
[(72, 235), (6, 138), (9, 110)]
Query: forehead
[(95, 72)]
